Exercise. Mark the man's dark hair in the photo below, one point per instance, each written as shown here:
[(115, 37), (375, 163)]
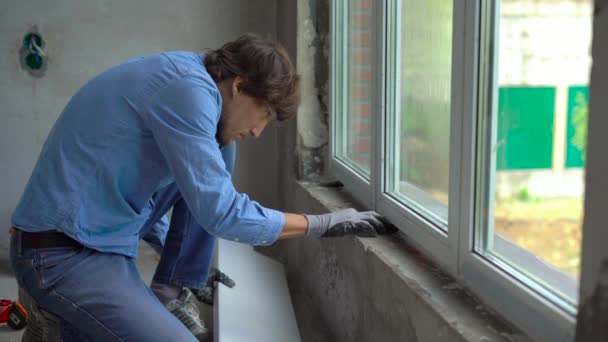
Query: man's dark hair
[(269, 76)]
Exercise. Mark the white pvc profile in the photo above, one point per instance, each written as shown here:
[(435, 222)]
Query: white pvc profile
[(357, 183), (423, 230), (525, 303)]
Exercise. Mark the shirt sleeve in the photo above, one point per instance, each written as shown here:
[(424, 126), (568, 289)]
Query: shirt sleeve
[(183, 118)]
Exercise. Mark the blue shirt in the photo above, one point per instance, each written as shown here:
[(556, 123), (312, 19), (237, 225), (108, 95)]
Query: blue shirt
[(126, 134)]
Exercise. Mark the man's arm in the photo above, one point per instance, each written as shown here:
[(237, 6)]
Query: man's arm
[(182, 117)]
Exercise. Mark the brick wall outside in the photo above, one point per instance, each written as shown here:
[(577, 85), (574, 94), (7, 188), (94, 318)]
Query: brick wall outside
[(360, 82)]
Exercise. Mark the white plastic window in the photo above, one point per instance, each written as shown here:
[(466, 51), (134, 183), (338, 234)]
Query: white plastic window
[(464, 123)]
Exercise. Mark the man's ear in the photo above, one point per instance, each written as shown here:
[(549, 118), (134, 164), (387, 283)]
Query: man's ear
[(237, 84)]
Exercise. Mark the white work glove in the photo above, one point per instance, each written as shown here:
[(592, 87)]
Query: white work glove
[(348, 222)]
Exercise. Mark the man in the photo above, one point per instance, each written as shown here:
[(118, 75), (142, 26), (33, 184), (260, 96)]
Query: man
[(153, 133)]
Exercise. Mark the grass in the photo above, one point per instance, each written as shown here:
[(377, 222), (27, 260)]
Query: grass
[(551, 228)]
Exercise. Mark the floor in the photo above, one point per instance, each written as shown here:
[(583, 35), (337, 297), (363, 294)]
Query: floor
[(146, 263)]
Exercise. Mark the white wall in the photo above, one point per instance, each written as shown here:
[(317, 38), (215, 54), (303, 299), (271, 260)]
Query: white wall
[(539, 37), (85, 37)]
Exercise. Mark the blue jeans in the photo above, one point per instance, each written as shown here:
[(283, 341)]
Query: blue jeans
[(101, 296)]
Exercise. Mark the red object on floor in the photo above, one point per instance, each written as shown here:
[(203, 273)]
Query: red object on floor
[(13, 313)]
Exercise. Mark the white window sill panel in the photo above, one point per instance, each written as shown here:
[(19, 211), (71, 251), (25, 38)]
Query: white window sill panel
[(258, 308)]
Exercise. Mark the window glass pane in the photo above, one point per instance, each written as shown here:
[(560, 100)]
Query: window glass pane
[(359, 84), (535, 141), (422, 123)]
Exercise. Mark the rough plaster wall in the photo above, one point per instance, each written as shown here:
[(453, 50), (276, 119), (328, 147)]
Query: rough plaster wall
[(333, 288), (353, 290), (85, 37), (593, 312), (313, 65)]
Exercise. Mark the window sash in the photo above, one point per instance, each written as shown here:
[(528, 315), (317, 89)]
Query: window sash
[(485, 239), (521, 302), (360, 185), (427, 232)]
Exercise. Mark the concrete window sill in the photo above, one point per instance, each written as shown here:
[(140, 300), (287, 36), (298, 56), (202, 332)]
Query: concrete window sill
[(455, 314)]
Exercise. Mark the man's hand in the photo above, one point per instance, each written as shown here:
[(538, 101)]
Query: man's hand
[(348, 222)]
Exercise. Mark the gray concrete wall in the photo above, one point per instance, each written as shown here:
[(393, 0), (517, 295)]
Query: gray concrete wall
[(85, 37), (380, 289), (287, 28)]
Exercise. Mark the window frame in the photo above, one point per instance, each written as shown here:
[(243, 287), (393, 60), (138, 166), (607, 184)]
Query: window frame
[(531, 308), (359, 186)]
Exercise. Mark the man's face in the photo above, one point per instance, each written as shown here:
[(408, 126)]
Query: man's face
[(242, 115)]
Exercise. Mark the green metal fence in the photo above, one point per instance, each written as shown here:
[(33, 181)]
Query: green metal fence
[(526, 119)]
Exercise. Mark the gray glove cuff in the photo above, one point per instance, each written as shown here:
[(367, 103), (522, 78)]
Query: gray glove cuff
[(317, 226)]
